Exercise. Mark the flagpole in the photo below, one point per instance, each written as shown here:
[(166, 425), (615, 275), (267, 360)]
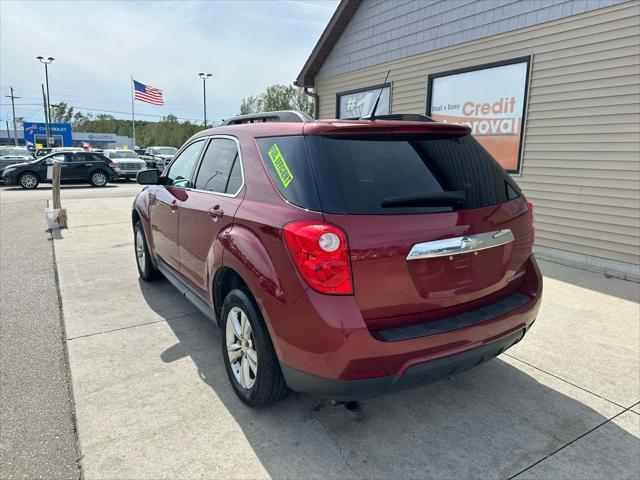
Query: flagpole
[(133, 115)]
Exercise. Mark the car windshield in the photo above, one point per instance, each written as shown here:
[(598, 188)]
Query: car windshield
[(123, 154), (14, 152), (164, 151)]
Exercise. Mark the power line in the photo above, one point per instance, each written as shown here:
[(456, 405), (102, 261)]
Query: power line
[(18, 104)]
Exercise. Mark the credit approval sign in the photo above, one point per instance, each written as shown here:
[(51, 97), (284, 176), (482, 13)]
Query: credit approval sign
[(491, 100)]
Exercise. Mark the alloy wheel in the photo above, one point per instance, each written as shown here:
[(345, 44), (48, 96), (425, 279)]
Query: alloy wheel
[(140, 255), (28, 181), (99, 179), (243, 356)]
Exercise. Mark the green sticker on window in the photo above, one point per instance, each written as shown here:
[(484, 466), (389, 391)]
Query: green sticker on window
[(279, 163)]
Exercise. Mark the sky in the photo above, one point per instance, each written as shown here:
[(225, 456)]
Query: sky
[(98, 45)]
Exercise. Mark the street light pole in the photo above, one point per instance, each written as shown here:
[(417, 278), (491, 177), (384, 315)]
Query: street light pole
[(204, 77), (46, 77), (46, 116)]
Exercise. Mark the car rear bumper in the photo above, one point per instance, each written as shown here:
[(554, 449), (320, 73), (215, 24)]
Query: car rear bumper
[(325, 347), (418, 374)]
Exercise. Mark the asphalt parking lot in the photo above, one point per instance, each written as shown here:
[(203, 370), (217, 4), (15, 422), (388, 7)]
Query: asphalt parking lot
[(152, 399)]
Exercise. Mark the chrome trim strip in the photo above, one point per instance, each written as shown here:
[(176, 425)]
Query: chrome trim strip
[(459, 245)]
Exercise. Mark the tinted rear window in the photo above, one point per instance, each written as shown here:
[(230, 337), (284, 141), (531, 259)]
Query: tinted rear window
[(356, 175)]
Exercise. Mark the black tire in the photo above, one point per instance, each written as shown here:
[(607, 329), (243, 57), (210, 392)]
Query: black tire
[(268, 383), (98, 178), (28, 180), (146, 269)]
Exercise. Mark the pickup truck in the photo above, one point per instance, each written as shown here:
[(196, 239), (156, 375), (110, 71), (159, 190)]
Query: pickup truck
[(158, 157)]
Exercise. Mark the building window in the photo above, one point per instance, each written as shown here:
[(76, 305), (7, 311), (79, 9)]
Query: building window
[(491, 100), (359, 103)]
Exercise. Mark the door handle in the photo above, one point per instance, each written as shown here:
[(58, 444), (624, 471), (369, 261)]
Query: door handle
[(173, 206), (215, 213)]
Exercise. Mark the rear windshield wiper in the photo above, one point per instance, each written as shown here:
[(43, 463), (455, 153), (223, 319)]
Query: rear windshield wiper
[(441, 199)]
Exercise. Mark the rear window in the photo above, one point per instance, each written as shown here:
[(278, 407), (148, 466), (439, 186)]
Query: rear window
[(409, 175)]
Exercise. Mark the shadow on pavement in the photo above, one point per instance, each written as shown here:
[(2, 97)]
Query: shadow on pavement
[(614, 287), (64, 186), (493, 421)]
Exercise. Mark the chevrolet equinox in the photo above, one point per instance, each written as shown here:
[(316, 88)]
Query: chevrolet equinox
[(342, 258)]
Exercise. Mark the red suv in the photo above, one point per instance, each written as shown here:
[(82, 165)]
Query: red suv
[(342, 258)]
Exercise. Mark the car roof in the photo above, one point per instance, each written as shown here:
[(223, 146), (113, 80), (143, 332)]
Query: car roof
[(336, 127)]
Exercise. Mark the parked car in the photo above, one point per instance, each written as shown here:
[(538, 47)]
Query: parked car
[(127, 162), (158, 157), (13, 155), (41, 152), (77, 167), (67, 149), (344, 259)]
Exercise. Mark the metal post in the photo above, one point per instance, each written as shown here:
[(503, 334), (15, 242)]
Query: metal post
[(47, 104), (204, 101), (204, 77), (46, 116), (8, 132), (133, 115), (46, 77)]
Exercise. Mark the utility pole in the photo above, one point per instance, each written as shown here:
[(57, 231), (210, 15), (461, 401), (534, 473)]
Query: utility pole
[(204, 77), (46, 115), (8, 132), (13, 108)]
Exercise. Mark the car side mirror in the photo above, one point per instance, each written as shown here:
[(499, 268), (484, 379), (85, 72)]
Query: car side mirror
[(148, 177)]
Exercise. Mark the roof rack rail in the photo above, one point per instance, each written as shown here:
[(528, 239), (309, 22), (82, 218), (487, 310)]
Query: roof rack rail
[(279, 116), (406, 117)]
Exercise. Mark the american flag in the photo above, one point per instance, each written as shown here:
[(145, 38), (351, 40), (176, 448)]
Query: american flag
[(148, 94)]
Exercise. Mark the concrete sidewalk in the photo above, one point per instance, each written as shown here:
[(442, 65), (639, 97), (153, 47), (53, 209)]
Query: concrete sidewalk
[(153, 400), (37, 432)]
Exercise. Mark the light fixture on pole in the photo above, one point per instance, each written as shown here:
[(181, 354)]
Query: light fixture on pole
[(204, 77), (46, 77)]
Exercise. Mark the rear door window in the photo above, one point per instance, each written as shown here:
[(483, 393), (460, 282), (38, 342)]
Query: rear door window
[(220, 168), (370, 176)]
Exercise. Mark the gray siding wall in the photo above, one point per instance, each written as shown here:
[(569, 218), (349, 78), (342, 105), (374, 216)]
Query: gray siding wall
[(386, 30), (581, 158)]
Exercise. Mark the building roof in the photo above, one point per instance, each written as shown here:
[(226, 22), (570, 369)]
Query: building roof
[(329, 37)]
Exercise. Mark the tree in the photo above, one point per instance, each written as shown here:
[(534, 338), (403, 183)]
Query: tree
[(277, 97), (64, 113), (169, 131)]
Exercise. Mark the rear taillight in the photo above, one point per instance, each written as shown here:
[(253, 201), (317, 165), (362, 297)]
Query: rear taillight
[(533, 231), (321, 254)]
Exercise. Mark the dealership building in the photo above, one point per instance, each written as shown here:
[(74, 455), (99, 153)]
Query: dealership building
[(62, 134), (550, 87)]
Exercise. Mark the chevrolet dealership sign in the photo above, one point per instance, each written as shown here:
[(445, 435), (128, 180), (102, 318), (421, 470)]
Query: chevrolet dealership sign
[(35, 132)]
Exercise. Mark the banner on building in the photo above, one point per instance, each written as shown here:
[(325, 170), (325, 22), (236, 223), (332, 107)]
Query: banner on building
[(491, 100)]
